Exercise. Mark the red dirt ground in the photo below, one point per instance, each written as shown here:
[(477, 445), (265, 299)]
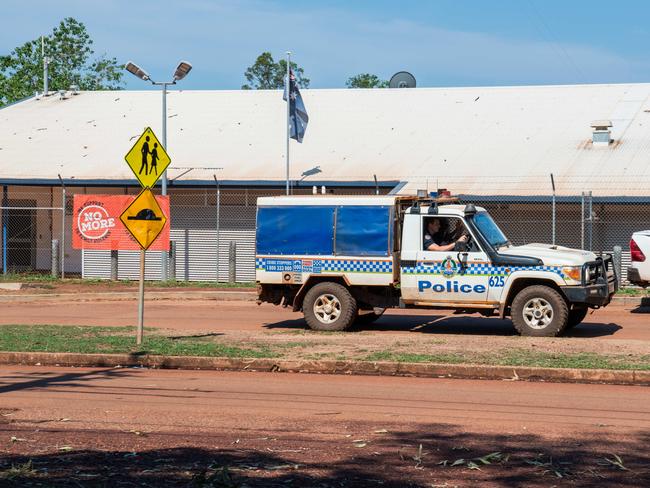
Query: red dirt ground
[(134, 427)]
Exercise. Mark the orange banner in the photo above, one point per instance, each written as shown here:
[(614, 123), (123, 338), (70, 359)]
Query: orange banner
[(96, 223)]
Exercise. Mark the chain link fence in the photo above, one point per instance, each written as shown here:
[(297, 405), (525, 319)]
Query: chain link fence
[(32, 221), (213, 228)]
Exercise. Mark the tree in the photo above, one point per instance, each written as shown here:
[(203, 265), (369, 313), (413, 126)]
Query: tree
[(266, 74), (69, 49), (366, 80)]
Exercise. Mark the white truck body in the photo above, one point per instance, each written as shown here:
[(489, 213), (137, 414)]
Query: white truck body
[(373, 247), (639, 271)]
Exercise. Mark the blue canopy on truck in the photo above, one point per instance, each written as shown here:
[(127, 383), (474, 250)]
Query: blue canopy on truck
[(322, 230)]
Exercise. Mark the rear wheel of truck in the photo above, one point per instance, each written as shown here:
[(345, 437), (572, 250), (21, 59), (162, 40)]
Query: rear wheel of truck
[(539, 311), (366, 318), (329, 306), (576, 315)]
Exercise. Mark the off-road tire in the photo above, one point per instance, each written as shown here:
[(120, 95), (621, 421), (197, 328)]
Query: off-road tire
[(347, 310), (576, 315), (548, 297), (367, 318)]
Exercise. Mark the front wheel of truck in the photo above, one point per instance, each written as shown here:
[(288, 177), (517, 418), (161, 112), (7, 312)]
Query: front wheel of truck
[(539, 311), (576, 316), (329, 306)]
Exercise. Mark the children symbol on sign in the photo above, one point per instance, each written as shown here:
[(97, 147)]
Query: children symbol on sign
[(154, 159), (145, 151)]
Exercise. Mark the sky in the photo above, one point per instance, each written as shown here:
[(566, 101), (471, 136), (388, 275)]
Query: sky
[(441, 42)]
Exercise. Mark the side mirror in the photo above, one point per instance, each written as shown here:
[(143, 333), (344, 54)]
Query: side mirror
[(462, 261)]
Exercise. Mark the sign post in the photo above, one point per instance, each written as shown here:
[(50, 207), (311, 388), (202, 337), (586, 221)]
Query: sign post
[(143, 218), (140, 331)]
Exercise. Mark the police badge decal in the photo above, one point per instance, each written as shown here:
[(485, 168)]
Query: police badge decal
[(449, 267)]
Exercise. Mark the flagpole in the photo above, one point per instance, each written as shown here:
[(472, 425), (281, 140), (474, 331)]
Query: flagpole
[(287, 87)]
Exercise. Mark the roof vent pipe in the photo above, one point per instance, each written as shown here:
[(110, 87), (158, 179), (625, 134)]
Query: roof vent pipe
[(602, 134)]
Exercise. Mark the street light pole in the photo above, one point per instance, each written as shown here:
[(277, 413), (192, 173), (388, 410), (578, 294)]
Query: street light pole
[(181, 72), (164, 133), (165, 255)]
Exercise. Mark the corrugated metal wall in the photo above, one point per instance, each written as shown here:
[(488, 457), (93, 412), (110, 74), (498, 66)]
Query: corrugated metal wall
[(97, 264)]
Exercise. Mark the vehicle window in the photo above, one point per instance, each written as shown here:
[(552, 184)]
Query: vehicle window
[(490, 230), (447, 231)]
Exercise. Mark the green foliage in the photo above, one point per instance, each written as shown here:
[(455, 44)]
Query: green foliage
[(115, 340), (71, 62), (366, 80), (266, 74)]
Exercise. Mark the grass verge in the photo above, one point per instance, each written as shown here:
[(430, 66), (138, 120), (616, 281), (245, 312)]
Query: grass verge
[(633, 292), (116, 340), (121, 340), (523, 358)]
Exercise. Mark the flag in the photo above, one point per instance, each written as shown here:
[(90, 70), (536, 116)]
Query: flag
[(298, 117)]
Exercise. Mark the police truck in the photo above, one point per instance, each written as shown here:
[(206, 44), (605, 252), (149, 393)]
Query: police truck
[(344, 260)]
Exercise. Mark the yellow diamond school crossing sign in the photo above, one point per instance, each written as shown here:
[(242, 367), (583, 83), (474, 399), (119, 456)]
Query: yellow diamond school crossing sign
[(144, 218), (147, 159)]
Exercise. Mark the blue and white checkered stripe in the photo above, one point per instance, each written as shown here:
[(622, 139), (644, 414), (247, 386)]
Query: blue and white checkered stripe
[(358, 266), (338, 265), (483, 269)]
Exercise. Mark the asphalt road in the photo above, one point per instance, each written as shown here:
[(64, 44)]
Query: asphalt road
[(312, 430), (612, 322)]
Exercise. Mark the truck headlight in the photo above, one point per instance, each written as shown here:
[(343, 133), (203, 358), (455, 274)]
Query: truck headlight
[(572, 272)]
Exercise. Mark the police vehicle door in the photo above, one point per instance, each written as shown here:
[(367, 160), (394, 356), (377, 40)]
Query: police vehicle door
[(451, 276)]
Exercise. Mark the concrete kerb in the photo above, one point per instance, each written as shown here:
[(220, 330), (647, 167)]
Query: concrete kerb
[(424, 370)]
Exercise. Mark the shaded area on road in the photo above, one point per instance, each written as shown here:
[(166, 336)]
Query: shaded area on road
[(38, 380), (419, 457), (644, 307), (453, 325)]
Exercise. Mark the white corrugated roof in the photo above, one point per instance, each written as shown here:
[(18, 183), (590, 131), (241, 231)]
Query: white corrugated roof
[(504, 140)]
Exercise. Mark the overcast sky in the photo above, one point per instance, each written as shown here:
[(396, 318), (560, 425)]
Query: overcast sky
[(442, 42)]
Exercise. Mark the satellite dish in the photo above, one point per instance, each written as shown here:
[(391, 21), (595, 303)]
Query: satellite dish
[(402, 79)]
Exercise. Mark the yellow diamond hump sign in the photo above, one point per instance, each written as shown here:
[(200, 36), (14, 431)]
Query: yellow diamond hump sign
[(148, 159), (144, 218)]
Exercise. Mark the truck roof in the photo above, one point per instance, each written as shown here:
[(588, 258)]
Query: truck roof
[(356, 200)]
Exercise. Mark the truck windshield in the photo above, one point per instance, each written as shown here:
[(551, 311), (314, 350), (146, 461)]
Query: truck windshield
[(490, 230)]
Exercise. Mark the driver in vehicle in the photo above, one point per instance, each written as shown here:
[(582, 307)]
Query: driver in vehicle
[(436, 238)]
